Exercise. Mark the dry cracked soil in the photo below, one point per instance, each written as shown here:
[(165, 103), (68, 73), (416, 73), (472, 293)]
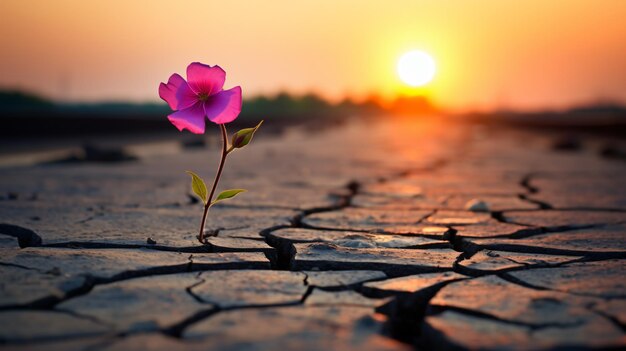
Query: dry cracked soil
[(388, 236)]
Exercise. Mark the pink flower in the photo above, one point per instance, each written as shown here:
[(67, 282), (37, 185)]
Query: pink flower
[(201, 96)]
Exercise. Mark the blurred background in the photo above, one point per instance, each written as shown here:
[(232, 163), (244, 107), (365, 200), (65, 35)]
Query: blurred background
[(87, 72)]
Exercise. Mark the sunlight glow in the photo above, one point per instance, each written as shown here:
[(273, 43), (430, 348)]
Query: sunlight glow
[(416, 68)]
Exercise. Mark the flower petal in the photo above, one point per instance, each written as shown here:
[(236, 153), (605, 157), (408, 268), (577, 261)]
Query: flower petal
[(191, 118), (205, 79), (185, 96), (224, 107), (168, 91)]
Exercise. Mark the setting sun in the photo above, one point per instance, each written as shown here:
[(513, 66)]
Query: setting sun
[(416, 68)]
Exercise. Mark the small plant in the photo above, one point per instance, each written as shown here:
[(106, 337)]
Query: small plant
[(202, 96)]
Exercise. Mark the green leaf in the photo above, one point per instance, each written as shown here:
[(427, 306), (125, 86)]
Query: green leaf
[(198, 186), (244, 136), (227, 194)]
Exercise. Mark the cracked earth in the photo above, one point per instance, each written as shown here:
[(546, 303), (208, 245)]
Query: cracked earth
[(386, 236)]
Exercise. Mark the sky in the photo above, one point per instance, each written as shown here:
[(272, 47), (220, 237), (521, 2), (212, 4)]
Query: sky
[(490, 54)]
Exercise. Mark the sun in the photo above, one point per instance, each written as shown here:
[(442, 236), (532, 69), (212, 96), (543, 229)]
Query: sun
[(416, 68)]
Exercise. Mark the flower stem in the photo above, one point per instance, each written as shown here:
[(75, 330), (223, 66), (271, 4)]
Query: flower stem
[(225, 152)]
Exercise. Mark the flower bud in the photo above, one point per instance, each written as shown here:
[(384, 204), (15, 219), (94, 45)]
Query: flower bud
[(244, 136)]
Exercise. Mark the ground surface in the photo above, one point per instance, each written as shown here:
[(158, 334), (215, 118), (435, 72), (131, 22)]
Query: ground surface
[(354, 238)]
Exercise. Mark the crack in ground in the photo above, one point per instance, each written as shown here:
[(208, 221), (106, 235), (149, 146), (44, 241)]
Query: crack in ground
[(613, 320), (458, 268), (49, 302), (469, 249), (206, 248), (286, 251), (520, 282), (499, 216), (25, 237), (437, 309), (525, 183), (101, 245), (87, 317), (535, 231), (189, 289), (406, 312), (309, 288), (300, 224), (6, 264), (587, 255), (542, 204)]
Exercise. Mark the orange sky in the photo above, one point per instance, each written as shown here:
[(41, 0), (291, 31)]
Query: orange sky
[(490, 54)]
